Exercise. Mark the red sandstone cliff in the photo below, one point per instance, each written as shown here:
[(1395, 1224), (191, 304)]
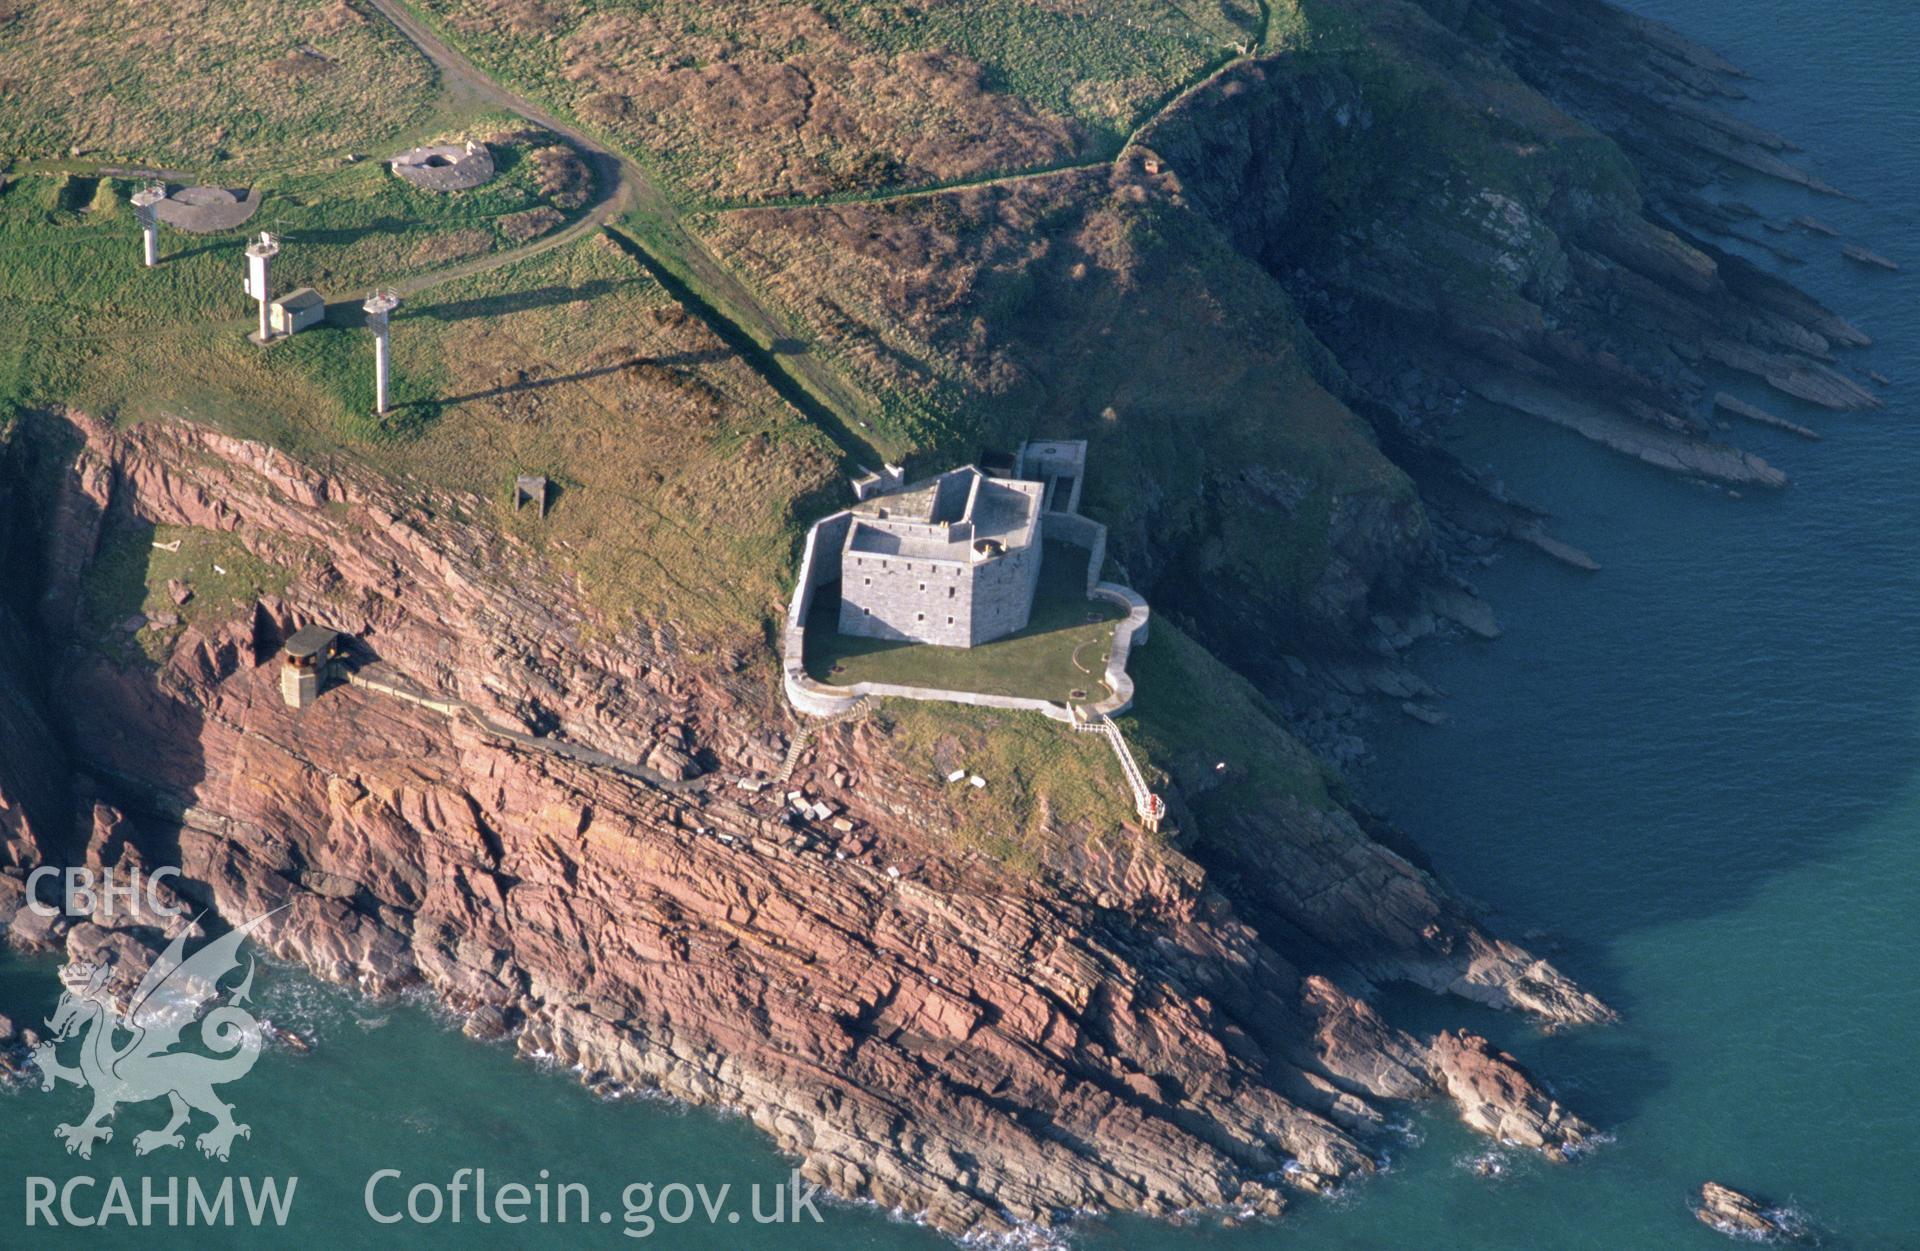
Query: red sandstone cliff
[(923, 1027)]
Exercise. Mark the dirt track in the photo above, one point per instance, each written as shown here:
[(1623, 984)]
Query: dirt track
[(622, 185)]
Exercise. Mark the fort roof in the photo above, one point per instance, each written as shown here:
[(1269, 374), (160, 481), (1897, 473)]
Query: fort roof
[(309, 641), (914, 503), (302, 297), (944, 518)]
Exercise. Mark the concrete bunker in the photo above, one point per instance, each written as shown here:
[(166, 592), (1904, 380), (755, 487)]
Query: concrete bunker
[(308, 658), (207, 210), (445, 167)]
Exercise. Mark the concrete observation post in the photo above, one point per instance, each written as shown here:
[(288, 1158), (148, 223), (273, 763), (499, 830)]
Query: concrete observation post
[(260, 254), (308, 666), (145, 201), (378, 306)]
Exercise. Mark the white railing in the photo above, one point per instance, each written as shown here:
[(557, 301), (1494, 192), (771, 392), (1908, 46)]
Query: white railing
[(1150, 806)]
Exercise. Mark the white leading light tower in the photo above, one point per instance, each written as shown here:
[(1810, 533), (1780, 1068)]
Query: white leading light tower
[(378, 305), (260, 254), (144, 201)]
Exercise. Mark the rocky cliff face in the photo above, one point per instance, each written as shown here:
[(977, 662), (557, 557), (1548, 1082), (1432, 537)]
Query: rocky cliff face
[(34, 773), (548, 836), (923, 1027), (33, 769)]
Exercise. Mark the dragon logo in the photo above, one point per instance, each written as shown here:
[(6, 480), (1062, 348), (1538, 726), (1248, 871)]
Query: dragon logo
[(145, 1065)]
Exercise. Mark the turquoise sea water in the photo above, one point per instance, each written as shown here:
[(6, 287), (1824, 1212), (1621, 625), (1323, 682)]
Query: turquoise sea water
[(1699, 770)]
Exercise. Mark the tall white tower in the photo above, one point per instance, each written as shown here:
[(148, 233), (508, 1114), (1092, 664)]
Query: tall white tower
[(378, 305), (144, 201), (260, 254)]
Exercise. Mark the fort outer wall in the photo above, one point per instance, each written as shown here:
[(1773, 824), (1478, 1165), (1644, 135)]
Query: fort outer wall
[(820, 563), (1077, 530)]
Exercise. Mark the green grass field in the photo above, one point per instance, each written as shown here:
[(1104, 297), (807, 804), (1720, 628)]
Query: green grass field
[(1049, 792), (127, 582), (1060, 656), (1193, 714), (682, 477), (738, 101), (70, 265), (680, 474), (671, 456), (255, 85), (1053, 795)]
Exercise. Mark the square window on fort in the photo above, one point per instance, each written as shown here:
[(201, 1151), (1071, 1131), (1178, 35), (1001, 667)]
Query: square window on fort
[(952, 591), (949, 620), (867, 611), (866, 582), (923, 586), (919, 616)]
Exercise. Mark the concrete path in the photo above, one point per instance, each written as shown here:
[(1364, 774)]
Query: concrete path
[(1199, 81), (379, 680)]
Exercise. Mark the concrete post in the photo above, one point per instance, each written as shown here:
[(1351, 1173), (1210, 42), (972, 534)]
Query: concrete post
[(144, 202), (382, 370), (260, 254), (377, 308)]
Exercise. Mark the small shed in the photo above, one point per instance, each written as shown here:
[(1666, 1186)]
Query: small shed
[(296, 310), (530, 488)]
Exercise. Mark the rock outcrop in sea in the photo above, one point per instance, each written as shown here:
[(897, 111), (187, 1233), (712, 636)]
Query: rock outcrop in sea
[(1740, 1215), (1498, 1097)]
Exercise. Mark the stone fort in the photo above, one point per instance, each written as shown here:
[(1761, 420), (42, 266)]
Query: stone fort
[(953, 560)]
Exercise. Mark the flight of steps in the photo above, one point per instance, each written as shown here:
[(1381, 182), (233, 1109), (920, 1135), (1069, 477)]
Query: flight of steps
[(1150, 806), (798, 747)]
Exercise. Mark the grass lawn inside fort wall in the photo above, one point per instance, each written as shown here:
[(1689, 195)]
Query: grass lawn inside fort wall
[(1060, 656)]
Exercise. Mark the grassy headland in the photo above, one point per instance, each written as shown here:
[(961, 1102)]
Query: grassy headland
[(695, 382)]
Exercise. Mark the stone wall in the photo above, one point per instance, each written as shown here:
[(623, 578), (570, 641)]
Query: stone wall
[(808, 697), (892, 597), (1128, 635), (816, 699), (1003, 590), (1075, 529), (819, 564), (973, 699)]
